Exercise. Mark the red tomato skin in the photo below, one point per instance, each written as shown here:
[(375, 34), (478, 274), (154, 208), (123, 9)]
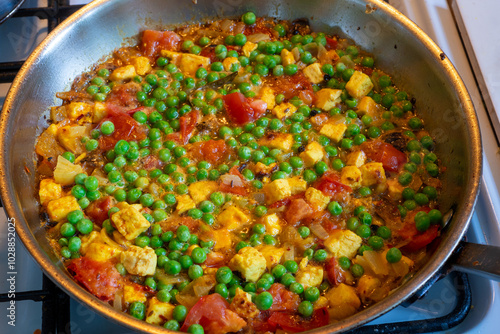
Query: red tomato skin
[(237, 190), (154, 41), (330, 185), (283, 299), (187, 125), (213, 151), (295, 323), (99, 278), (239, 108), (334, 274), (331, 44), (125, 128), (213, 313), (422, 239), (391, 158), (98, 210)]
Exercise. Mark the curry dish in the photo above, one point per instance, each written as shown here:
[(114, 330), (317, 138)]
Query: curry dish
[(244, 175)]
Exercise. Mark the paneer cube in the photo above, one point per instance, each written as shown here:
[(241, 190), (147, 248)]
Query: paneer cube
[(99, 112), (317, 199), (272, 224), (267, 95), (310, 276), (297, 185), (79, 110), (343, 243), (334, 131), (70, 137), (351, 176), (330, 57), (284, 110), (141, 65), (343, 301), (130, 222), (59, 208), (184, 203), (367, 285), (133, 293), (123, 73), (261, 169), (139, 261), (93, 236), (221, 239), (287, 57), (372, 173), (277, 190), (232, 218), (357, 159), (272, 255), (158, 312), (313, 153), (99, 251), (190, 63), (395, 189), (327, 98), (313, 73), (243, 306), (248, 48), (49, 190), (282, 141), (228, 63), (201, 191), (250, 263), (367, 106), (359, 85), (173, 57)]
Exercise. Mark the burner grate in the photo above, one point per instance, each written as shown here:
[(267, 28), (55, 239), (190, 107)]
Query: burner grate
[(55, 12), (56, 303)]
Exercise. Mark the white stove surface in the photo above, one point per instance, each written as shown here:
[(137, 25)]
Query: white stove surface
[(19, 36)]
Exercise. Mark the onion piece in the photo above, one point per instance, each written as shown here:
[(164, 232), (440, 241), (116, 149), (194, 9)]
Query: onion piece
[(256, 38), (291, 235), (347, 61), (233, 180), (171, 279), (321, 51), (109, 241), (319, 231), (289, 252), (296, 54), (376, 262), (227, 25), (239, 28), (259, 197), (118, 301)]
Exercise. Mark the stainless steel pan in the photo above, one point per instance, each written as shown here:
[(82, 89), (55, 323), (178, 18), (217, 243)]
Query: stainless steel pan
[(400, 47)]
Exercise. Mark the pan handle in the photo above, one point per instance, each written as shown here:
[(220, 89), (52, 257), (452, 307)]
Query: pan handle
[(477, 259)]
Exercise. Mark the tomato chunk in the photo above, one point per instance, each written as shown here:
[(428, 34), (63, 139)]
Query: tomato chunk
[(99, 278), (187, 124), (98, 210), (154, 41), (333, 271), (298, 210), (125, 128), (231, 187), (242, 110), (391, 158), (330, 185), (213, 313), (213, 151), (295, 323), (331, 44), (291, 85), (420, 239), (283, 299)]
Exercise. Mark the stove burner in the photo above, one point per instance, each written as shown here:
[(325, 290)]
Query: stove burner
[(8, 7)]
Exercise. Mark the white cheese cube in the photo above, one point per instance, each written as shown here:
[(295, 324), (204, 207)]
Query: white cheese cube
[(327, 98), (130, 222), (357, 159), (359, 85), (49, 190), (139, 261), (250, 263), (314, 152), (232, 218), (59, 208), (343, 243), (372, 173), (284, 110), (126, 72), (317, 199), (351, 176), (277, 190), (248, 48), (334, 131), (313, 73), (184, 203), (287, 57), (310, 276), (141, 65)]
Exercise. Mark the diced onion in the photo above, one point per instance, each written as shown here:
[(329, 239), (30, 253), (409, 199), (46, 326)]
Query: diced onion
[(256, 38), (291, 235), (118, 301), (319, 231), (227, 25), (321, 51), (171, 279), (347, 61), (232, 180), (259, 197), (376, 262), (289, 252), (239, 28), (296, 53), (110, 241)]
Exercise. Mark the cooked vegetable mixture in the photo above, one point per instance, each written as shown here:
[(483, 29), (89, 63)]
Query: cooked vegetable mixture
[(240, 175)]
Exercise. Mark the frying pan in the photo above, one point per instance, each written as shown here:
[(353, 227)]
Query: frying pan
[(400, 47)]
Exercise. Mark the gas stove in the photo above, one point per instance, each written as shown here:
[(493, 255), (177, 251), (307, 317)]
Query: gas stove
[(457, 303)]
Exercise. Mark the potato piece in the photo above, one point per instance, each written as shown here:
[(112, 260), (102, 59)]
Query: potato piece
[(65, 171), (343, 300)]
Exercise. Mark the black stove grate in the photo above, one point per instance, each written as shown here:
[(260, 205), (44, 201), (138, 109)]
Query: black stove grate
[(56, 303)]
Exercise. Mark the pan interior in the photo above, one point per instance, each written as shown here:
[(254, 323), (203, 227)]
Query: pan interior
[(400, 48)]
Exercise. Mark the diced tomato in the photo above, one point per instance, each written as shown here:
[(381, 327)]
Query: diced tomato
[(154, 41), (99, 278), (234, 189), (151, 162), (334, 273), (187, 124), (173, 224), (331, 43), (215, 260), (175, 137), (259, 27), (283, 299), (420, 240), (290, 86), (366, 70), (242, 110), (330, 185), (124, 95), (295, 323), (213, 151), (285, 201), (391, 158), (126, 128), (307, 96), (319, 119), (98, 210), (298, 210), (213, 313), (209, 52)]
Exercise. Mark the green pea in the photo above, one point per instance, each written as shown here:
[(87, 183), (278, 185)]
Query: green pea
[(393, 255), (311, 294), (137, 310)]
